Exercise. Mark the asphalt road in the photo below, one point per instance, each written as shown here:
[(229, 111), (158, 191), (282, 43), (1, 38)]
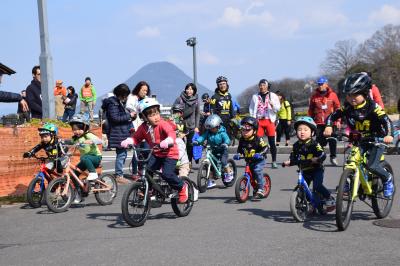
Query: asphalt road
[(218, 231)]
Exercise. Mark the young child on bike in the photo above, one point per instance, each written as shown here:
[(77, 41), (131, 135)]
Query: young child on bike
[(50, 144), (90, 155), (218, 139), (158, 132), (309, 156), (254, 150), (367, 118)]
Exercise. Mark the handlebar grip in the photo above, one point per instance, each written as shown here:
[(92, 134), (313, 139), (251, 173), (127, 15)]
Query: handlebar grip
[(283, 165)]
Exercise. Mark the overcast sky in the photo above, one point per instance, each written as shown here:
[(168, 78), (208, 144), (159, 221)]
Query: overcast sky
[(242, 40)]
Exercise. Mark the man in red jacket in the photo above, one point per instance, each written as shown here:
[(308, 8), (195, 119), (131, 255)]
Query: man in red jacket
[(323, 102)]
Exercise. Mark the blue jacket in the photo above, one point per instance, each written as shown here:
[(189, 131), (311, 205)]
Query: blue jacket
[(119, 121), (215, 140)]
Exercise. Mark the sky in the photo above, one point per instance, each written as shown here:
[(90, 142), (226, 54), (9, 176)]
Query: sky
[(240, 39)]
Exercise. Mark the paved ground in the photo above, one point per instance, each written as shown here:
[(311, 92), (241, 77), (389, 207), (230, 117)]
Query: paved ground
[(219, 231)]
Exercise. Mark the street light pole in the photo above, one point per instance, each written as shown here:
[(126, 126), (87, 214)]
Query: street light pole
[(192, 42), (46, 63)]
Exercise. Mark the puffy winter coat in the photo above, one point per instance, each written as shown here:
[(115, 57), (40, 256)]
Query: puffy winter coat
[(322, 105)]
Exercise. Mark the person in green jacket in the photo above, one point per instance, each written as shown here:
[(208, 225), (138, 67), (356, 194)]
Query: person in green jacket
[(88, 97), (285, 119)]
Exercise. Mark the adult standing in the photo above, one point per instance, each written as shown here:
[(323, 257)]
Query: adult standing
[(191, 114), (285, 119), (34, 94), (88, 97), (263, 106), (11, 96), (59, 93), (222, 105), (323, 102), (23, 114), (374, 93), (120, 123), (70, 104)]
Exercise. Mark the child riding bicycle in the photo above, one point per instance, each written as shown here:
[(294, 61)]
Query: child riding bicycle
[(254, 150), (218, 139), (367, 118), (309, 156), (158, 132)]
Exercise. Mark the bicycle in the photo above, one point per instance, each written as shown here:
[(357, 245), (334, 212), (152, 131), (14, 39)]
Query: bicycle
[(242, 187), (151, 191), (37, 186), (62, 191), (304, 202), (346, 147), (357, 181), (205, 172)]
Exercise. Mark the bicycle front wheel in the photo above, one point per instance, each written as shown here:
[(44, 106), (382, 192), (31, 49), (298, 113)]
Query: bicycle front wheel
[(57, 199), (108, 189), (183, 209), (242, 189), (344, 202), (380, 204), (202, 176), (134, 209), (299, 206), (267, 185), (232, 165), (35, 192)]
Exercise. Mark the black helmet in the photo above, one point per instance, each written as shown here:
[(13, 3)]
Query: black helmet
[(177, 107), (205, 96), (250, 121), (221, 79), (358, 83)]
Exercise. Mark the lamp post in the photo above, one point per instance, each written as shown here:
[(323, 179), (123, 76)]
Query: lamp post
[(192, 42)]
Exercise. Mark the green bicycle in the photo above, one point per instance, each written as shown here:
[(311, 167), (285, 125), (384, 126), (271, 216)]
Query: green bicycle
[(357, 181)]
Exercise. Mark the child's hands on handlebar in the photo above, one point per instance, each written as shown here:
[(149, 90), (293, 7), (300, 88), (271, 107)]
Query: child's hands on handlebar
[(286, 163)]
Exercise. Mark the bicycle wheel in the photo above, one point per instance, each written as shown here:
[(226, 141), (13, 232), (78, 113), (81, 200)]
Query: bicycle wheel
[(56, 199), (398, 146), (134, 211), (107, 196), (267, 185), (242, 190), (183, 209), (202, 178), (35, 192), (232, 165), (380, 204), (344, 202), (299, 206)]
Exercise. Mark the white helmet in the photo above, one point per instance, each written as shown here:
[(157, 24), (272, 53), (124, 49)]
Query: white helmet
[(147, 103), (212, 121)]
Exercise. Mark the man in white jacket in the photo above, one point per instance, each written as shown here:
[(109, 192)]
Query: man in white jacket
[(264, 106)]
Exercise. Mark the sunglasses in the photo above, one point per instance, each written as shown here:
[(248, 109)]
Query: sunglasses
[(246, 128)]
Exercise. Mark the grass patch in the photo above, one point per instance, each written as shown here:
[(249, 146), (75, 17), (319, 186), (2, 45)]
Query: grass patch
[(12, 199)]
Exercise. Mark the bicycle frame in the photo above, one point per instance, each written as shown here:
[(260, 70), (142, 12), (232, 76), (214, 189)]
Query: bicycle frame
[(212, 159), (301, 183)]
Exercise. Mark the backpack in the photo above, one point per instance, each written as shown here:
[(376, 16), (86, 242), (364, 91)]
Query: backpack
[(287, 104)]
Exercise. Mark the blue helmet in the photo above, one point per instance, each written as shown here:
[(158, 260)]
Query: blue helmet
[(321, 80), (306, 120)]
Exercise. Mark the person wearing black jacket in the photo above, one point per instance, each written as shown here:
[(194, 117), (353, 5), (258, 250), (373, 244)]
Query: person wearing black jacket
[(70, 104), (23, 114), (34, 94)]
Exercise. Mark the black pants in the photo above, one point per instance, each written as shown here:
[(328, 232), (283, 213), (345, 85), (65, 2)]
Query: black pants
[(189, 145), (282, 127), (226, 120), (373, 160), (321, 139)]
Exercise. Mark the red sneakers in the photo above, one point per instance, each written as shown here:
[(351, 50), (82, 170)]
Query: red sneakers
[(184, 193)]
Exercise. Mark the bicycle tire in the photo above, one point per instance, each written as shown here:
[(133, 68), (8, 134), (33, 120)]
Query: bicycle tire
[(242, 190), (33, 195), (183, 209), (52, 200), (378, 190), (299, 205), (343, 218), (267, 185), (232, 165), (133, 196), (106, 197), (398, 146), (202, 176)]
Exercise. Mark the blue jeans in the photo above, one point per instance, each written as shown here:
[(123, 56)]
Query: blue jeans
[(257, 170), (317, 177), (68, 114), (120, 161), (167, 165), (221, 154)]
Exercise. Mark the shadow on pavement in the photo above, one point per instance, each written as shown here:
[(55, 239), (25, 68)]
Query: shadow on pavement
[(278, 216), (228, 200)]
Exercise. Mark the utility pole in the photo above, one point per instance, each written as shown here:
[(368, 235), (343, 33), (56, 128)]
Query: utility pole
[(192, 42), (46, 63)]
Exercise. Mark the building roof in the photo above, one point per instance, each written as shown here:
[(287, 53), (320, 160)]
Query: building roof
[(6, 70)]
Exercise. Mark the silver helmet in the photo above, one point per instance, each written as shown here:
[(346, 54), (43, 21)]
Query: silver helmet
[(213, 121)]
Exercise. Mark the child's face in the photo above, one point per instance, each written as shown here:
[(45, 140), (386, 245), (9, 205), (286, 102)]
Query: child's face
[(247, 131), (154, 117), (46, 138), (355, 99), (214, 130), (77, 131), (303, 132)]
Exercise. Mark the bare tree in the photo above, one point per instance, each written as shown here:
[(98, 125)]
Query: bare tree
[(340, 59)]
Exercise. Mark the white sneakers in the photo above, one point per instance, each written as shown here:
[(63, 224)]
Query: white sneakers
[(92, 176)]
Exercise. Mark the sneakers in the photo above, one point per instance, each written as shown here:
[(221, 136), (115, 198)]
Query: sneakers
[(92, 176), (78, 197), (122, 180), (211, 183), (388, 187), (334, 161), (260, 193), (183, 193), (274, 165), (228, 177), (330, 202)]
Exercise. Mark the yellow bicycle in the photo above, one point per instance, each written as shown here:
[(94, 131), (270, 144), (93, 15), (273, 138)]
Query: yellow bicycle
[(357, 181)]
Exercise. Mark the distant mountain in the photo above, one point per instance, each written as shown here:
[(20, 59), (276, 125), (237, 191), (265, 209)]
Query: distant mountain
[(166, 81)]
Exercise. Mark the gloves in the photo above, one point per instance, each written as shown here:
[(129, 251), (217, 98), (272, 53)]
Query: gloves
[(126, 143), (224, 146), (27, 155), (166, 142), (257, 156), (236, 157)]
